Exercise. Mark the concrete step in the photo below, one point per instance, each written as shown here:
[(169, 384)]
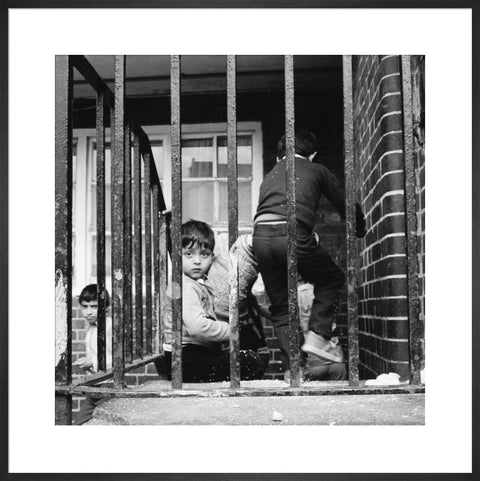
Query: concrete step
[(339, 409)]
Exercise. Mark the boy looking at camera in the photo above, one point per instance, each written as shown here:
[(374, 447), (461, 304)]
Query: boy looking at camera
[(204, 337), (88, 301)]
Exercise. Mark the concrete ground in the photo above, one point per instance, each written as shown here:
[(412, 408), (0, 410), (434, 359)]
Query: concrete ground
[(326, 409)]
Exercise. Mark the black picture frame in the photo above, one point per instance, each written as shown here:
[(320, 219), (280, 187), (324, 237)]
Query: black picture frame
[(4, 238)]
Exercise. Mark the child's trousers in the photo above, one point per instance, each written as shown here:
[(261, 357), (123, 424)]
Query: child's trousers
[(314, 264), (202, 364)]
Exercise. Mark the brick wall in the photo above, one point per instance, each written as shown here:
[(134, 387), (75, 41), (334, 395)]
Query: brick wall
[(383, 321), (418, 89)]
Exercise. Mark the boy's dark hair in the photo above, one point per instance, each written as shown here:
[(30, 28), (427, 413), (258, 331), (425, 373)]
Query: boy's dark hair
[(89, 294), (306, 144), (195, 232)]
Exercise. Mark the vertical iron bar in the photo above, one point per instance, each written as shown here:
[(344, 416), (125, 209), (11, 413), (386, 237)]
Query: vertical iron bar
[(411, 226), (176, 224), (63, 233), (148, 251), (112, 150), (232, 151), (291, 222), (117, 224), (352, 250), (127, 261), (162, 241), (233, 219), (137, 245), (156, 265), (101, 268)]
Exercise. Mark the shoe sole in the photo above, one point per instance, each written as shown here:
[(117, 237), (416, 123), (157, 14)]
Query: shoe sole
[(320, 353)]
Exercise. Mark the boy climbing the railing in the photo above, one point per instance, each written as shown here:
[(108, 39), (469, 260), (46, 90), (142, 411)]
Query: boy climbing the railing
[(314, 263)]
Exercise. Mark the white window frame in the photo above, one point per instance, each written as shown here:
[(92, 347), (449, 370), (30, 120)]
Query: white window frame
[(85, 139)]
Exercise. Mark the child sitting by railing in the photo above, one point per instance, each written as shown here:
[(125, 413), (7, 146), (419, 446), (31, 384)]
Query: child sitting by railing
[(88, 302), (203, 337)]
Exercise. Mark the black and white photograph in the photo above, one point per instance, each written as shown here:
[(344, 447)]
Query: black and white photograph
[(240, 228), (233, 202)]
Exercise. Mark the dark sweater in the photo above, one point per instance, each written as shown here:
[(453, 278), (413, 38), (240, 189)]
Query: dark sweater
[(312, 180)]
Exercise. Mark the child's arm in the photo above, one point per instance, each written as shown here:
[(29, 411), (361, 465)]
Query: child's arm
[(336, 195), (332, 189), (198, 323)]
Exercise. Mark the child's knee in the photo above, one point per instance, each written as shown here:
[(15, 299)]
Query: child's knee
[(337, 371)]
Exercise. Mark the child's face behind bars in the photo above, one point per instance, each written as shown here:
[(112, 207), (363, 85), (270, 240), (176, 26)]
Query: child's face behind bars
[(196, 261), (89, 311)]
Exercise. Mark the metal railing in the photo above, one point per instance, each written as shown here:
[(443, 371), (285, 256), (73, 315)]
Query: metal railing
[(127, 243), (127, 227)]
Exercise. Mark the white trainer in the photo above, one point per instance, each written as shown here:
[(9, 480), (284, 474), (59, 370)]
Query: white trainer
[(318, 346)]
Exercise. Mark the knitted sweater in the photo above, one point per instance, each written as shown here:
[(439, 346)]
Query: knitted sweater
[(312, 180)]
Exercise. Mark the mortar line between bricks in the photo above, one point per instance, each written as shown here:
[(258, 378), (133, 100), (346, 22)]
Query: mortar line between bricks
[(389, 152), (366, 105), (394, 74), (388, 236), (387, 194), (372, 118), (379, 103), (386, 216), (368, 72), (391, 132), (391, 361), (382, 118), (378, 163), (383, 298), (376, 336), (393, 276), (386, 174), (385, 57), (385, 318), (367, 266)]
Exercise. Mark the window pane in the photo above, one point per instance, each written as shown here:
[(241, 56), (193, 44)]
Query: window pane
[(74, 202), (108, 204), (108, 158), (74, 176), (108, 255), (244, 204), (197, 158), (244, 156), (197, 198)]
